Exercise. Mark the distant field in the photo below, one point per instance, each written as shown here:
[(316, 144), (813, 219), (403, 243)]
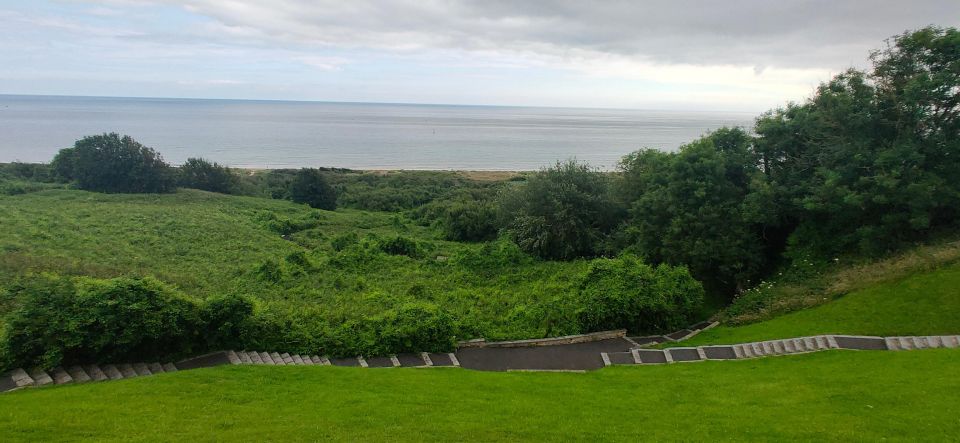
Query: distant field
[(840, 395), (927, 303)]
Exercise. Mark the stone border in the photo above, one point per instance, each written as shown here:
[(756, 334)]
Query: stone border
[(552, 341)]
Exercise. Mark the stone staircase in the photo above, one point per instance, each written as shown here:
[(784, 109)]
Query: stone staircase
[(21, 378), (640, 356)]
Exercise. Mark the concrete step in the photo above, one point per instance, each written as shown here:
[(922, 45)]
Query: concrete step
[(95, 373), (306, 360), (127, 370), (287, 359), (907, 343), (112, 371), (951, 341), (789, 347), (255, 357), (893, 343), (155, 368), (821, 342), (233, 358), (297, 360), (778, 348), (20, 378), (60, 376), (78, 374), (40, 378), (921, 342), (169, 367), (267, 359), (142, 369), (245, 358), (316, 359), (362, 361), (277, 358)]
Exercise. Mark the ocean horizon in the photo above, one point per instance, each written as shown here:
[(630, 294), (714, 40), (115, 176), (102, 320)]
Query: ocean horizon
[(288, 134)]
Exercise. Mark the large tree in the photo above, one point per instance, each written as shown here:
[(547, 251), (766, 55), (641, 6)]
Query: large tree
[(111, 163)]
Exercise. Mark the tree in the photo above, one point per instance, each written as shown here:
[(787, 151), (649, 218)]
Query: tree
[(198, 173), (701, 207), (561, 212), (310, 187), (111, 163)]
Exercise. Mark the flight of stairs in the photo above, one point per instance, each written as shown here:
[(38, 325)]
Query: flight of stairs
[(639, 355), (21, 378)]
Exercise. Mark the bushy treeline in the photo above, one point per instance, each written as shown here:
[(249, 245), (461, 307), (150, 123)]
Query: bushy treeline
[(869, 163), (119, 164)]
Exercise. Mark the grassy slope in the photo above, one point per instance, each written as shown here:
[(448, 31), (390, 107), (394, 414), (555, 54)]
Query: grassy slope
[(826, 396), (211, 244), (927, 303)]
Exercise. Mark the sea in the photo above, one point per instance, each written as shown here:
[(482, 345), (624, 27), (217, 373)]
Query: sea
[(292, 134)]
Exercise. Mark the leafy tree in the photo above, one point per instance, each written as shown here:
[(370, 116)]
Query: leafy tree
[(198, 173), (111, 163), (310, 187), (562, 212), (702, 207)]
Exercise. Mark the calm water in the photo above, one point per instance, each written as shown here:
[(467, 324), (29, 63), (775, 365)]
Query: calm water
[(274, 134)]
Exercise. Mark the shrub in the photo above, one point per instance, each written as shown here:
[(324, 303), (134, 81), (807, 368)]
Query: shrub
[(110, 163), (626, 293), (469, 220), (310, 187), (63, 320), (198, 173), (413, 326), (401, 246), (224, 318), (561, 212)]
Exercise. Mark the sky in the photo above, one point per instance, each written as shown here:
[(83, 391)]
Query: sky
[(682, 55)]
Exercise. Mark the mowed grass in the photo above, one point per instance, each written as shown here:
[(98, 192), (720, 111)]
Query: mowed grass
[(927, 303), (840, 395)]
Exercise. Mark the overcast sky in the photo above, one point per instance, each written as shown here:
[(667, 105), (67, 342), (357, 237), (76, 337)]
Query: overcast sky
[(718, 55)]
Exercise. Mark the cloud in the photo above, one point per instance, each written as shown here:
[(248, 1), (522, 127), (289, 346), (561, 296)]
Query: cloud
[(757, 33)]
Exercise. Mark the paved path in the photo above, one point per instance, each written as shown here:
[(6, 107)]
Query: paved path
[(572, 356)]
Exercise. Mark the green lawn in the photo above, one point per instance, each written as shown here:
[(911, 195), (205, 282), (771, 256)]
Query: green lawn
[(927, 303), (841, 395)]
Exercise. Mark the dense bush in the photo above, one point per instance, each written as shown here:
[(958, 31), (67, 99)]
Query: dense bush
[(561, 212), (626, 293), (310, 187), (401, 246), (62, 320), (110, 163), (412, 327), (198, 173)]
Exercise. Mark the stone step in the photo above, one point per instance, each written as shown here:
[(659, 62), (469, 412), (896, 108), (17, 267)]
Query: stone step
[(362, 361), (20, 378), (277, 358), (141, 369), (169, 367), (306, 360), (788, 346), (155, 368), (287, 359), (893, 343), (951, 341), (127, 370), (907, 343), (267, 359), (255, 357), (233, 358), (245, 358), (778, 348), (112, 371), (40, 378), (297, 359), (60, 376), (96, 373), (78, 374), (316, 359)]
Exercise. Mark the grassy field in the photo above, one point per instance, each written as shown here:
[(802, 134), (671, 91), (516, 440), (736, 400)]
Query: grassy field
[(927, 303), (209, 244), (848, 395)]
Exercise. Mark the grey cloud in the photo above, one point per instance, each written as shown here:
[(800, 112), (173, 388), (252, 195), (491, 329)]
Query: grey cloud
[(762, 34)]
